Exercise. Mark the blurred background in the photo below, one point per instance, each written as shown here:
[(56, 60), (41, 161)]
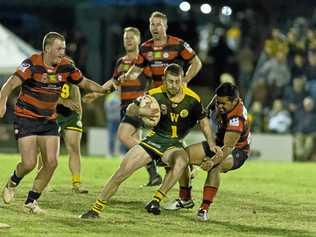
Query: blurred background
[(268, 48)]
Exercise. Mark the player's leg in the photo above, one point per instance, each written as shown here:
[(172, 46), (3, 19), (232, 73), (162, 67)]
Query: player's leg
[(129, 135), (49, 147), (28, 150), (134, 159), (177, 159), (72, 141)]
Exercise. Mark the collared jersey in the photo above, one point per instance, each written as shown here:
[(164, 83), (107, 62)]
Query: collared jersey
[(41, 86), (235, 121), (177, 118), (157, 58)]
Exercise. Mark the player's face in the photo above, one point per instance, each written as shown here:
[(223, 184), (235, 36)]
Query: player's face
[(157, 27), (130, 41), (173, 84), (224, 104), (56, 51)]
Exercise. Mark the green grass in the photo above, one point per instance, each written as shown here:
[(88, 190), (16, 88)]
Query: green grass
[(260, 199)]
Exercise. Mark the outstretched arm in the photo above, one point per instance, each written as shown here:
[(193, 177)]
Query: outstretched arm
[(92, 86), (194, 68), (109, 86), (12, 83)]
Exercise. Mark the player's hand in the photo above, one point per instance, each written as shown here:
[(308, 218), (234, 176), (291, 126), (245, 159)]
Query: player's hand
[(207, 164), (89, 98), (216, 149), (148, 112), (121, 78)]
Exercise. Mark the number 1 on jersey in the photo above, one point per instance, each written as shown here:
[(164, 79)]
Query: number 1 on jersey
[(174, 131)]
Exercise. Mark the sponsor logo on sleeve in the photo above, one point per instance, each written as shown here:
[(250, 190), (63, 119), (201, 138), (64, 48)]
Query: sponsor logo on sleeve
[(23, 67), (234, 122)]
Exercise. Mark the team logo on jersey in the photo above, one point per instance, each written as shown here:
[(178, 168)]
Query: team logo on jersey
[(52, 78), (23, 66), (184, 113), (150, 55), (165, 55), (234, 122), (163, 109), (157, 55), (125, 67), (188, 47)]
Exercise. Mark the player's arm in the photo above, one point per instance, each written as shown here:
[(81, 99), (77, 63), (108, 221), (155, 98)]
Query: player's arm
[(230, 140), (134, 110), (92, 86), (208, 134), (73, 103), (90, 97), (12, 83), (194, 68), (134, 70)]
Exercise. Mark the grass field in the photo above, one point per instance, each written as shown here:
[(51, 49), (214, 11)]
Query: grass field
[(260, 199)]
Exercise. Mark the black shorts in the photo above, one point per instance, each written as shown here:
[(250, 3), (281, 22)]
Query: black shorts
[(136, 122), (40, 127), (239, 156)]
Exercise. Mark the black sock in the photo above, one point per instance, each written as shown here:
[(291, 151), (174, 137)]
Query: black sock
[(15, 179), (32, 196), (151, 169)]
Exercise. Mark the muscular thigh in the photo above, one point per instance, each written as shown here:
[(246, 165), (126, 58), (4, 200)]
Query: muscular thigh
[(135, 158), (72, 138), (196, 153), (49, 146), (28, 148), (127, 130), (168, 156)]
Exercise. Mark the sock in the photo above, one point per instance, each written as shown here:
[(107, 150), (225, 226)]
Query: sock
[(15, 179), (158, 196), (98, 206), (75, 180), (185, 193), (32, 196), (209, 193), (151, 169)]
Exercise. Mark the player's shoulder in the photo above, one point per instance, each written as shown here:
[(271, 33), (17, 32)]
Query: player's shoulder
[(35, 59), (174, 40), (193, 95), (67, 61), (147, 43), (155, 91), (239, 111)]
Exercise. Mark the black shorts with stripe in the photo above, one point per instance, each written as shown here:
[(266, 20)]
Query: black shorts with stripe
[(24, 127)]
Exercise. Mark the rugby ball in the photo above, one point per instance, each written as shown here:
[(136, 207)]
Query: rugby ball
[(148, 101)]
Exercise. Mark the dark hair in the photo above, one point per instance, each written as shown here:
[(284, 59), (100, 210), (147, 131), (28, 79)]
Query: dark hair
[(227, 89), (174, 69)]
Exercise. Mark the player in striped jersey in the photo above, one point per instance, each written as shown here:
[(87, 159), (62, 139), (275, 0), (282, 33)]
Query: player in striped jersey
[(129, 128), (162, 50), (41, 78), (233, 135)]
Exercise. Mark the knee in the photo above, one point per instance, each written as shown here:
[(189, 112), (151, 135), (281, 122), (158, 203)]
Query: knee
[(51, 164), (29, 165)]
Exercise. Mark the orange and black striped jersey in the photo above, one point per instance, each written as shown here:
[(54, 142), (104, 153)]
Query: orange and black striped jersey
[(132, 87), (235, 121), (157, 58), (41, 86)]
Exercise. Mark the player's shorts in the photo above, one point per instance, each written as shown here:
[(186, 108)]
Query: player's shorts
[(135, 121), (239, 156), (70, 122), (24, 127), (156, 145)]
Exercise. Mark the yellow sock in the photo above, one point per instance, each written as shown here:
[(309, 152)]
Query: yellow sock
[(76, 180), (98, 206), (158, 196)]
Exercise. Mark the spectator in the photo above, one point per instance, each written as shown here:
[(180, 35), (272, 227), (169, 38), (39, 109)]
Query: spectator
[(279, 118), (305, 131)]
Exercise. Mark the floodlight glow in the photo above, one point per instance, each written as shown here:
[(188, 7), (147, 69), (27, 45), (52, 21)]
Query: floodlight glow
[(226, 10), (206, 8), (185, 6)]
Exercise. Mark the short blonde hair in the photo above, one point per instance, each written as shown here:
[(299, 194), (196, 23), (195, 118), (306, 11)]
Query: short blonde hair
[(160, 15), (50, 37), (134, 30)]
